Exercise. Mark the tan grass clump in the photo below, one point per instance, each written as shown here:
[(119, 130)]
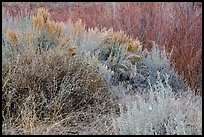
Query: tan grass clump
[(12, 36), (79, 27), (42, 22), (121, 38)]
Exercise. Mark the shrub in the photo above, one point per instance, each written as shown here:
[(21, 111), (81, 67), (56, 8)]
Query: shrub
[(46, 87), (159, 112), (159, 60), (137, 74)]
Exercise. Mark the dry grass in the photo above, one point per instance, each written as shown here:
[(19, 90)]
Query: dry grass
[(47, 88), (42, 22), (12, 37), (120, 38)]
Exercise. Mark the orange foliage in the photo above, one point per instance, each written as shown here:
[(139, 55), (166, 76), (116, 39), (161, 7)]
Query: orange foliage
[(42, 22), (12, 36)]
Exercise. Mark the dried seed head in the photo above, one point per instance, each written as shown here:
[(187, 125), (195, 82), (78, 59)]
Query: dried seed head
[(12, 36), (44, 14), (79, 27), (134, 46), (42, 22), (121, 38)]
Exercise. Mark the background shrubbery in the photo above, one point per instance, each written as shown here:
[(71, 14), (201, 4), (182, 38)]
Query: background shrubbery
[(173, 25), (62, 78)]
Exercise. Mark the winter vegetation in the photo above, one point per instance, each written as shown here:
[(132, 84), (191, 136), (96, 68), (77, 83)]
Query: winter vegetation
[(64, 77)]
